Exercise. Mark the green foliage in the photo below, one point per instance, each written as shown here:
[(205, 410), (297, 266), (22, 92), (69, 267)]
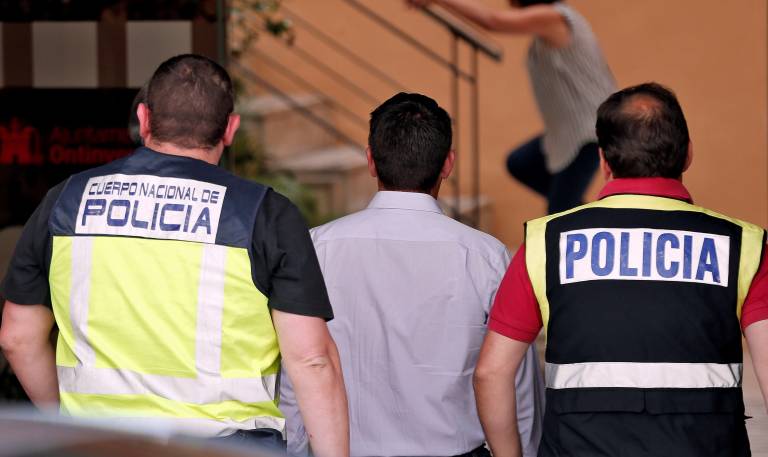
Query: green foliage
[(249, 18), (249, 162)]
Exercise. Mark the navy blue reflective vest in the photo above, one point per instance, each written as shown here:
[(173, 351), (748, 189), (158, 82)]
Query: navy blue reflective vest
[(641, 298)]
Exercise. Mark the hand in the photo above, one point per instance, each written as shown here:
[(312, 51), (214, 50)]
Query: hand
[(419, 3)]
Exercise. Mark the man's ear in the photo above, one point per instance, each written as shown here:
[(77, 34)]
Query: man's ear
[(371, 163), (604, 167), (448, 164), (233, 123), (142, 112), (689, 157)]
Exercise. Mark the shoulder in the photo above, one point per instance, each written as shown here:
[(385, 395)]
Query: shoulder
[(54, 192), (476, 242), (543, 220), (102, 170), (573, 18), (52, 197), (581, 30), (357, 224), (748, 228), (276, 208), (477, 239)]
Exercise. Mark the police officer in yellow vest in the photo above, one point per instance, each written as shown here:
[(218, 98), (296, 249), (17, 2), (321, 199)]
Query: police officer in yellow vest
[(643, 297), (176, 286)]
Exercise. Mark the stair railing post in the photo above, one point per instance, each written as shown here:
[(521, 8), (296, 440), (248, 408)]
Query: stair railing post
[(228, 159), (455, 97), (475, 137)]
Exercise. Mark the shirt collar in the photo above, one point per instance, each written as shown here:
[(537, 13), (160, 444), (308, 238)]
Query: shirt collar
[(659, 187), (416, 201)]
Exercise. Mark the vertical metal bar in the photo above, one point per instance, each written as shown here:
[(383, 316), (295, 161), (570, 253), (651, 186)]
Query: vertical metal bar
[(475, 137), (227, 158), (221, 31), (455, 96)]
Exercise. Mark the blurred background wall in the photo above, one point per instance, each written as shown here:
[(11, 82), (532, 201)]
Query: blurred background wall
[(712, 53)]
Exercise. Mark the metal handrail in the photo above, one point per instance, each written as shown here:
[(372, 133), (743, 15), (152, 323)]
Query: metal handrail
[(408, 38), (459, 32), (322, 123), (352, 86), (465, 32), (339, 47), (297, 79)]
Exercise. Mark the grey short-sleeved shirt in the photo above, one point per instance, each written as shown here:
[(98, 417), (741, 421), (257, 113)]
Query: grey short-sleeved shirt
[(569, 84)]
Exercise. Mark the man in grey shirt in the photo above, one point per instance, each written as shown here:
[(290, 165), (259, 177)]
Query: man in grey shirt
[(570, 78), (411, 291)]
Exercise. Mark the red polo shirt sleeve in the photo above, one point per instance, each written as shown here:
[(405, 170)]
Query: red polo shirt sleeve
[(515, 312), (755, 307)]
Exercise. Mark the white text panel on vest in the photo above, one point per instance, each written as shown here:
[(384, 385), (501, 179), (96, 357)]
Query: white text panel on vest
[(151, 207), (639, 254)]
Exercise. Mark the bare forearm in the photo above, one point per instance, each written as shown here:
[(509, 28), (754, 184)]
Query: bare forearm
[(35, 367), (496, 407), (762, 376), (473, 10), (757, 338), (319, 387), (25, 339), (494, 383)]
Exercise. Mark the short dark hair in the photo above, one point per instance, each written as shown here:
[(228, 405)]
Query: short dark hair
[(643, 133), (410, 138), (190, 98)]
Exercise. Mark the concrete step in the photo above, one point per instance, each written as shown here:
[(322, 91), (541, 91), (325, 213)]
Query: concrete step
[(467, 205), (280, 128), (337, 175)]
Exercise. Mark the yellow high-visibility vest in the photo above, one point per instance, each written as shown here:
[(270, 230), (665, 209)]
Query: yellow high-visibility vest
[(158, 313)]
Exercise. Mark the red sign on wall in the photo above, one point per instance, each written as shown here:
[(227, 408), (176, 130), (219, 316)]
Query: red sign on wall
[(48, 134)]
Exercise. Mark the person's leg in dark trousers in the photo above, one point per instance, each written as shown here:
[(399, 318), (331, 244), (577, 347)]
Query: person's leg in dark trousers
[(527, 165), (567, 187), (265, 439)]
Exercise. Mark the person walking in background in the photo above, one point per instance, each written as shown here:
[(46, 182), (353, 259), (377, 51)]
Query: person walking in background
[(644, 297), (176, 286), (570, 78), (411, 290)]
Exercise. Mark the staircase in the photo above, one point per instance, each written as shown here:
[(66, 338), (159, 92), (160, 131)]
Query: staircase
[(337, 173), (316, 132)]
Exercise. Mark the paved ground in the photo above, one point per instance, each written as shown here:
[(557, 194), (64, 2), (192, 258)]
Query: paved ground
[(758, 425)]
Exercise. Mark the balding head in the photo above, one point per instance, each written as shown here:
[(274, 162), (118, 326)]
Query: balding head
[(643, 133)]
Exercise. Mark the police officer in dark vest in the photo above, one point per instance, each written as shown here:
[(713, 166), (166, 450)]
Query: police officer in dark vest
[(178, 288), (643, 297)]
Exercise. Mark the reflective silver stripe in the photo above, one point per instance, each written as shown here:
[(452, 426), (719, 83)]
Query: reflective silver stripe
[(210, 307), (204, 390), (643, 375), (82, 260)]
